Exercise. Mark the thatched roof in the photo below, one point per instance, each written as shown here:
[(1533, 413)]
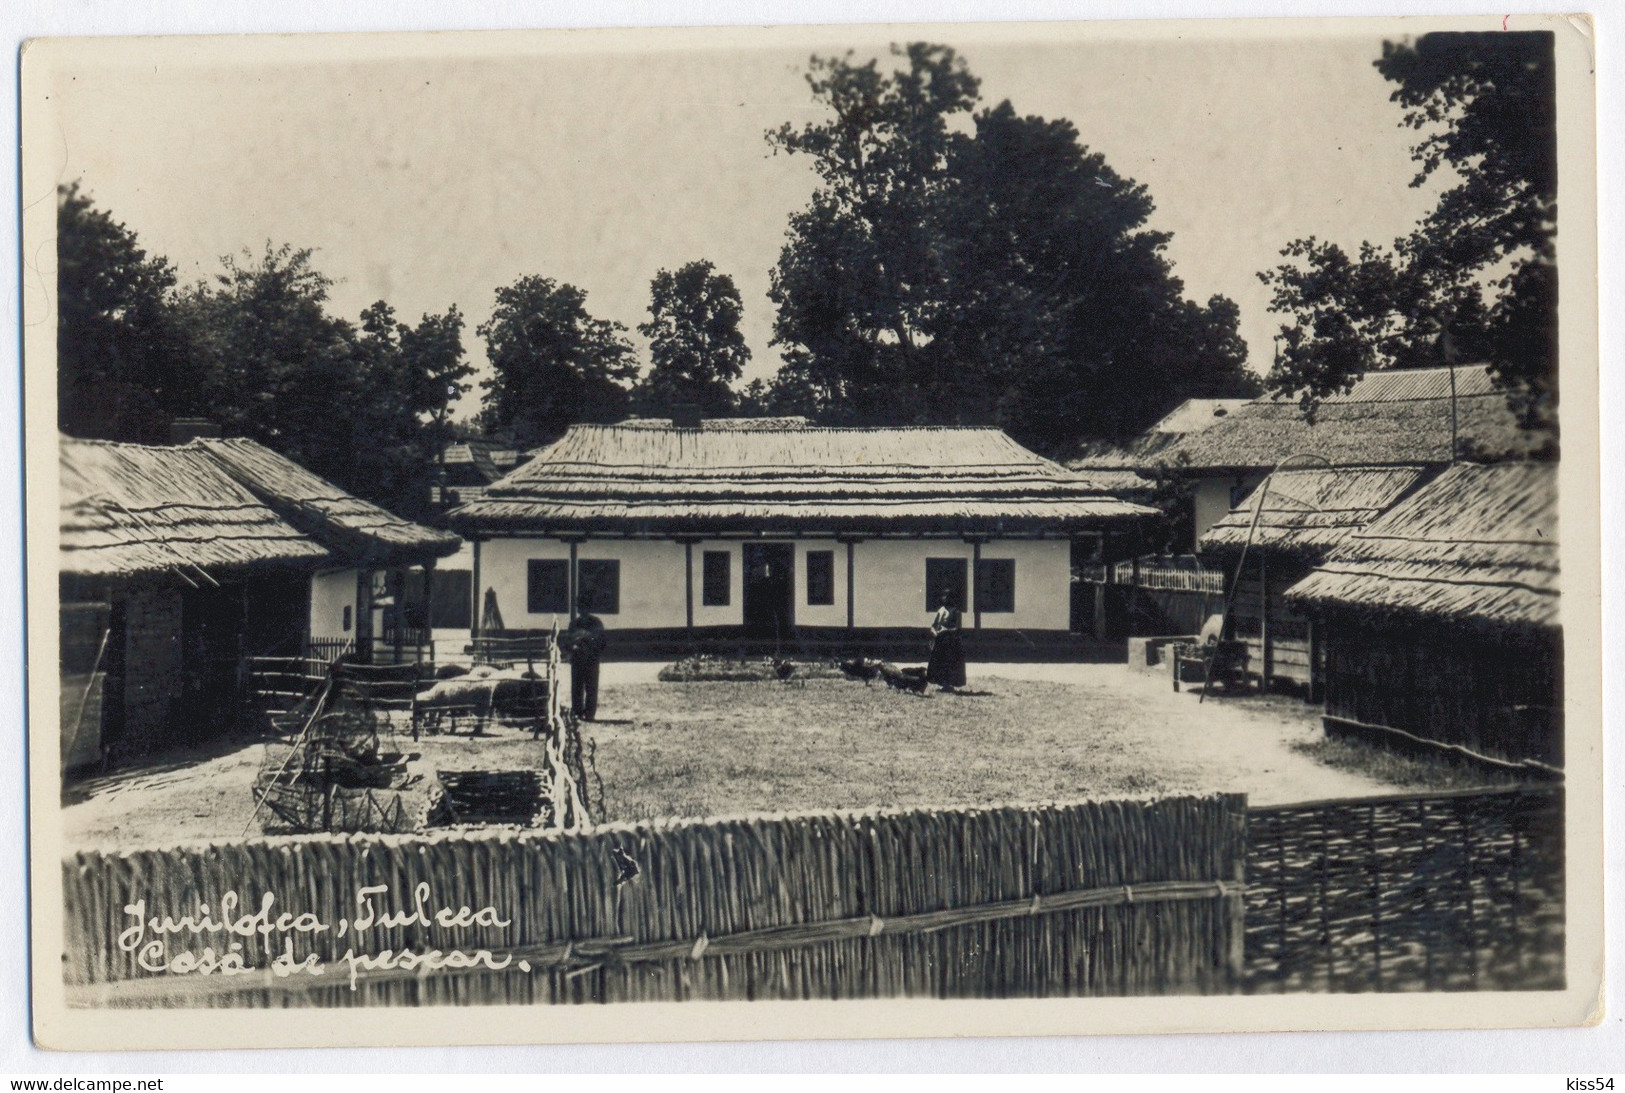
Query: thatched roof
[(1128, 469), (669, 480), (133, 511), (1477, 543), (725, 424), (357, 530), (485, 460), (1386, 419), (1309, 511)]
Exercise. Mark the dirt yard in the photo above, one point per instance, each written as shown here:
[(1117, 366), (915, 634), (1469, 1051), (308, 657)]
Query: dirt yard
[(1019, 734)]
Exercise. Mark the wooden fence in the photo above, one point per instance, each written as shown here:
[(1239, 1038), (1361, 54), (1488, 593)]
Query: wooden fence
[(1108, 898), (1444, 891)]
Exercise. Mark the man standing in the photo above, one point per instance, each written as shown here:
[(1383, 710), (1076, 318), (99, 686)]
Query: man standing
[(585, 640)]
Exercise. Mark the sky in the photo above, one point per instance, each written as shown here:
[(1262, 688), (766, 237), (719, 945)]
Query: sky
[(432, 171)]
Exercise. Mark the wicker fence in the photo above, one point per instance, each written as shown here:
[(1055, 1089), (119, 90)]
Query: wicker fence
[(1091, 899), (1452, 891)]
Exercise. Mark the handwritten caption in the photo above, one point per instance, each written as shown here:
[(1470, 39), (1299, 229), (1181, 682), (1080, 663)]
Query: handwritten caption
[(229, 928)]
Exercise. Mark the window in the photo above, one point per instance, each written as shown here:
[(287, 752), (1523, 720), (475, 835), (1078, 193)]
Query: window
[(716, 578), (453, 599), (820, 577), (995, 585), (599, 582), (547, 587), (348, 619), (945, 575)]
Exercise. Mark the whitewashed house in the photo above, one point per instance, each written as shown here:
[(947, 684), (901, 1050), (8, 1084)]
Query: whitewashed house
[(774, 532)]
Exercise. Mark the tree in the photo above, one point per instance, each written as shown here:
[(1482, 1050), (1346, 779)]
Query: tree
[(275, 366), (121, 362), (696, 349), (553, 363), (255, 350), (411, 375), (995, 272), (362, 407), (1475, 279)]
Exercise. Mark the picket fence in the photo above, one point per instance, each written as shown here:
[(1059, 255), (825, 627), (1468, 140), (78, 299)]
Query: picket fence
[(1103, 898)]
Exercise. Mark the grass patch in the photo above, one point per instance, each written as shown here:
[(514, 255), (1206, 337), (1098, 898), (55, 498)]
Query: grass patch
[(1406, 773), (704, 668), (708, 749)]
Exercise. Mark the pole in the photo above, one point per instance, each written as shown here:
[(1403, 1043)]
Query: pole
[(1252, 528)]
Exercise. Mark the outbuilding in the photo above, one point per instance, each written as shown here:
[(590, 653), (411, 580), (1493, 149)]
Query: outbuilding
[(1292, 522), (1445, 630), (179, 562)]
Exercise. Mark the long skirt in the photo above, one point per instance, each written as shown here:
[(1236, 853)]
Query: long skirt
[(947, 665)]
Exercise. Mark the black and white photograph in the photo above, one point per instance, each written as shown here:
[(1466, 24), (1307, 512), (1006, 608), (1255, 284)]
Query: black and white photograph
[(689, 534)]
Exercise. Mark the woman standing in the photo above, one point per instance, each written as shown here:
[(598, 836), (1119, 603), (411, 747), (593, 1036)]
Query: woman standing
[(946, 667)]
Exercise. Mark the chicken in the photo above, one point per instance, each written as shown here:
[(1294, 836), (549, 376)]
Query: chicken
[(903, 679), (784, 669), (859, 668)]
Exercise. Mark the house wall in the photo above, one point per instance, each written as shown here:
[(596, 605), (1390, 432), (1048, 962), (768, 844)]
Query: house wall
[(652, 594), (1213, 499), (1043, 584), (153, 663), (733, 614), (330, 593), (889, 582)]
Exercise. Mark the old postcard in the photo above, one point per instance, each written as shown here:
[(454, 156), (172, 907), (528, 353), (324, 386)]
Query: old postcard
[(856, 531)]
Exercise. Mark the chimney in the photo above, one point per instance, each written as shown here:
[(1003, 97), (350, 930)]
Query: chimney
[(183, 430), (685, 415)]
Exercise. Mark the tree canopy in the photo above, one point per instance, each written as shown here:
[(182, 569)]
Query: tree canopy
[(1475, 280), (979, 267), (120, 356), (553, 364), (696, 349), (254, 349)]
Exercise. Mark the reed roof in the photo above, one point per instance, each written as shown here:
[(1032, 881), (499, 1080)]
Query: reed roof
[(647, 478), (1477, 543), (356, 529), (1387, 419), (1309, 511), (1128, 469), (128, 511)]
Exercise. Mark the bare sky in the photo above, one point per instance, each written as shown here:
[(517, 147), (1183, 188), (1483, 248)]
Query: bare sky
[(428, 179)]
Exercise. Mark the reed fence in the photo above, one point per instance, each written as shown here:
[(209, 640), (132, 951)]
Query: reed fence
[(1108, 898), (1444, 891)]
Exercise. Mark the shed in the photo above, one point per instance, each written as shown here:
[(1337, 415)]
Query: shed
[(171, 570), (178, 562), (1291, 523), (1447, 630)]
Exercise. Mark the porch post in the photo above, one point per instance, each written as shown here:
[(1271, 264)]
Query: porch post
[(363, 613), (688, 582), (574, 584), (1100, 588), (1267, 669), (428, 608), (975, 595), (474, 608), (851, 594)]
